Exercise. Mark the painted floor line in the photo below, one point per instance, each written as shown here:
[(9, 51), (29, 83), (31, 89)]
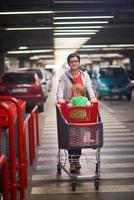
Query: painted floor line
[(114, 149), (85, 189), (107, 108), (105, 157), (118, 139), (103, 166), (119, 143)]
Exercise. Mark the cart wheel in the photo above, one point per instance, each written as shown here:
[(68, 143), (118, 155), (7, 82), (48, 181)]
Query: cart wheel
[(58, 170), (73, 186), (97, 184)]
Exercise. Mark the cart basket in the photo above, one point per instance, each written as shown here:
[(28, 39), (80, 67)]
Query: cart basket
[(78, 133)]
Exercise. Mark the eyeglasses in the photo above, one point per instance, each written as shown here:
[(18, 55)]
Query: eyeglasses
[(74, 61)]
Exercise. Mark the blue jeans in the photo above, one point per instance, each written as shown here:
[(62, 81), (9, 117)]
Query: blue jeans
[(74, 155)]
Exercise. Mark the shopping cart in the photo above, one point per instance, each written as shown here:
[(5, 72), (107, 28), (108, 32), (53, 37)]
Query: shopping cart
[(79, 127)]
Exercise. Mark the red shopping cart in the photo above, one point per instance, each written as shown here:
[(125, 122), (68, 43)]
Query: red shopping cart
[(79, 127)]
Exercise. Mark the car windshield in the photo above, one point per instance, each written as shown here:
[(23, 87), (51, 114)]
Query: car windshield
[(112, 72), (18, 79), (38, 72)]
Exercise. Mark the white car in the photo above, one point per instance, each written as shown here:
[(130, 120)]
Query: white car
[(131, 77), (48, 76)]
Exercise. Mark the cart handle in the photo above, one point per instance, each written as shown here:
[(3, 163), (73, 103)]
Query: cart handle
[(84, 124)]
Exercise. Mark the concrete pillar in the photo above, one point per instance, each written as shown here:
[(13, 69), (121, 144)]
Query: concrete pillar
[(13, 62), (2, 65), (21, 63), (110, 60), (24, 62)]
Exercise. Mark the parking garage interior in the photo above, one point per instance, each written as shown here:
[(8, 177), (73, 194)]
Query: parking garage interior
[(41, 34)]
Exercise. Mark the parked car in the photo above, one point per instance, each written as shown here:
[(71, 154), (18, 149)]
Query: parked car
[(48, 76), (42, 78), (131, 77), (111, 81), (25, 86)]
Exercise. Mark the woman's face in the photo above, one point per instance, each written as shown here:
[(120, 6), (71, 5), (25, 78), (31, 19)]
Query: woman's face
[(74, 63)]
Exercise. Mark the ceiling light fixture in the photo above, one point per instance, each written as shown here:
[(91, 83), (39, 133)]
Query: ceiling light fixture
[(26, 12), (65, 31), (22, 48), (77, 27), (112, 48), (89, 33), (30, 51), (96, 49), (28, 28), (94, 46), (83, 22), (108, 46), (121, 45), (105, 55), (85, 17), (41, 56)]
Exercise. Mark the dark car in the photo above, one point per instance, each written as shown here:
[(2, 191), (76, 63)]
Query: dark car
[(23, 85), (111, 81)]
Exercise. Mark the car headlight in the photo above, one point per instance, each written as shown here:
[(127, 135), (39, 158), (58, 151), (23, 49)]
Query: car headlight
[(102, 85)]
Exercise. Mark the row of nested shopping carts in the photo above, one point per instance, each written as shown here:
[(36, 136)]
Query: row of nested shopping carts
[(19, 136), (79, 127)]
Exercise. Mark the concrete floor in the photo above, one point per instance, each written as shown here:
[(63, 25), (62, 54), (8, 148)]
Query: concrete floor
[(117, 162)]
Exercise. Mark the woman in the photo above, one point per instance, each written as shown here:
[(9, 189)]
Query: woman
[(64, 93)]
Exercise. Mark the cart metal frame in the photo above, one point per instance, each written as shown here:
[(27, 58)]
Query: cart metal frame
[(78, 133)]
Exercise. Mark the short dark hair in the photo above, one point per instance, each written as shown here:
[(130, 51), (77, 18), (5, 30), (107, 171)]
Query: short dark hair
[(73, 55)]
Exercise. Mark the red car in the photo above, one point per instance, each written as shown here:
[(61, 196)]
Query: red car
[(25, 86)]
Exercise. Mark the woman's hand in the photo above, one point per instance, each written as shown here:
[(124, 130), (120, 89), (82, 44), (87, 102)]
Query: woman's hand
[(70, 105), (61, 101), (94, 99), (88, 103)]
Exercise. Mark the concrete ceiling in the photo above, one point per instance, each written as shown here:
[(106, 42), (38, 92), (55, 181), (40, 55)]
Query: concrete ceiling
[(119, 29)]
